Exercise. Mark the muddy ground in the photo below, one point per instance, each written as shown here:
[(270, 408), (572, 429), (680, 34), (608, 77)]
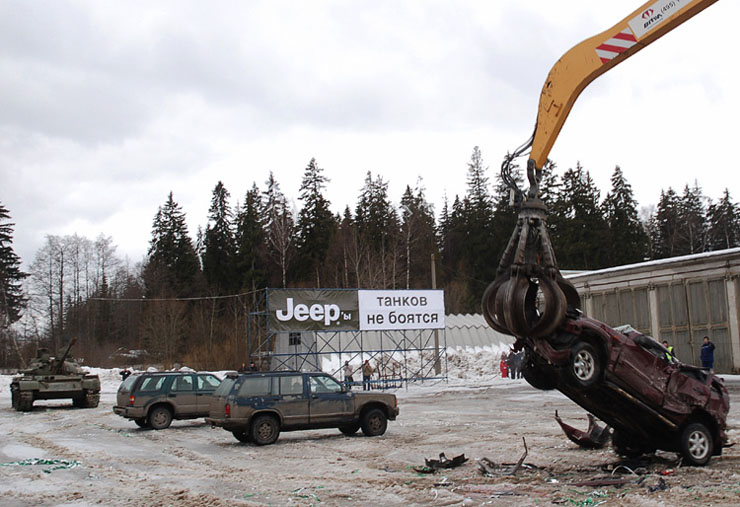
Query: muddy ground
[(92, 456)]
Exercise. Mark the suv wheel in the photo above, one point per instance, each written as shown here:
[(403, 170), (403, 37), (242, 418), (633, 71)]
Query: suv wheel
[(160, 418), (696, 444), (265, 430), (242, 435), (374, 423), (349, 429), (585, 364)]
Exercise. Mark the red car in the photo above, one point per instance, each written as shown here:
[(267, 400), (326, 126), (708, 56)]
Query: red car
[(631, 382)]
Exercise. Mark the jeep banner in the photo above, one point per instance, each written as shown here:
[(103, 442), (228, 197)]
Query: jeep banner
[(353, 310), (313, 310)]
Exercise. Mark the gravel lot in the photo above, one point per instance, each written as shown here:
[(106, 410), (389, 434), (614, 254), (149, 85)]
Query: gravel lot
[(92, 456)]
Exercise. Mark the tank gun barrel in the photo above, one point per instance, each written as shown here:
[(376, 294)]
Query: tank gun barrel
[(60, 363)]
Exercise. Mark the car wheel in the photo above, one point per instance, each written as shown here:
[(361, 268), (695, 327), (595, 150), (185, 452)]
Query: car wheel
[(265, 430), (142, 422), (585, 365), (242, 436), (696, 444), (160, 418), (349, 429), (538, 376), (374, 423)]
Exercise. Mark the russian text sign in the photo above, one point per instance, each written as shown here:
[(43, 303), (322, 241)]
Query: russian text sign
[(401, 309)]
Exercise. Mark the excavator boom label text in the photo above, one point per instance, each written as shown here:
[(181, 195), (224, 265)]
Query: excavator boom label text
[(656, 14)]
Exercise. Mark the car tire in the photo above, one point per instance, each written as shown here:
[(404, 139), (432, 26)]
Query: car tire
[(160, 418), (696, 444), (142, 422), (374, 422), (349, 429), (242, 436), (585, 364), (538, 376), (265, 430)]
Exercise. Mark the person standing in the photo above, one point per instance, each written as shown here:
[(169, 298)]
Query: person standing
[(707, 354), (367, 372), (504, 365), (669, 356), (348, 375)]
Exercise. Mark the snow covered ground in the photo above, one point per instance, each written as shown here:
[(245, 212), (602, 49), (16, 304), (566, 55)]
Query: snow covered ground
[(59, 455)]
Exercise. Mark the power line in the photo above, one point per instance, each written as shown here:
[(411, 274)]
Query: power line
[(200, 298)]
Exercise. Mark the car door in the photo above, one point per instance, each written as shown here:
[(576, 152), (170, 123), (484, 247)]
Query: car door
[(205, 387), (183, 396), (329, 403), (642, 372), (293, 402)]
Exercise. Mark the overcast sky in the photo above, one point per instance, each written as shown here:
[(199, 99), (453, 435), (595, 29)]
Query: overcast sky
[(106, 107)]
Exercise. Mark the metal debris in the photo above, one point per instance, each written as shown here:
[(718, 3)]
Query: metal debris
[(432, 465), (489, 468), (595, 437)]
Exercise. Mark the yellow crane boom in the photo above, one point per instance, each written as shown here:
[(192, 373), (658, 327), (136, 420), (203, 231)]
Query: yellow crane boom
[(588, 60)]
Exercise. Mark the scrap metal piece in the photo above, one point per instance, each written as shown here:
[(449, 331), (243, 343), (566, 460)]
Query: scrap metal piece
[(595, 437), (444, 462), (432, 465)]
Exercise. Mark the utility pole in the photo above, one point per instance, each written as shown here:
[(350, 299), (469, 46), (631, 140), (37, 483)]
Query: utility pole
[(437, 365)]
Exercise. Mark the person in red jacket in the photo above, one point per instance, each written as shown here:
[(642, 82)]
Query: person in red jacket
[(504, 366)]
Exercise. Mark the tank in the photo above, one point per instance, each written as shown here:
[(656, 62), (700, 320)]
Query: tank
[(51, 378)]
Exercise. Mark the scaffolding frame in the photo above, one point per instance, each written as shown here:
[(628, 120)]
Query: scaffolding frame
[(398, 357)]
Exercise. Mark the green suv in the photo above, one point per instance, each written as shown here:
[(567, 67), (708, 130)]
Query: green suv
[(256, 407), (155, 399)]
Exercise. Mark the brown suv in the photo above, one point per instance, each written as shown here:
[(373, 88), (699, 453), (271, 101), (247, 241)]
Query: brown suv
[(155, 399), (255, 407)]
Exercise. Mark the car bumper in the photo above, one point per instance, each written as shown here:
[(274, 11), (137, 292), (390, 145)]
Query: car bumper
[(228, 424), (129, 412)]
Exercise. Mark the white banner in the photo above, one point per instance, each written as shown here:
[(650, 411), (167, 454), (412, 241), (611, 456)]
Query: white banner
[(386, 310)]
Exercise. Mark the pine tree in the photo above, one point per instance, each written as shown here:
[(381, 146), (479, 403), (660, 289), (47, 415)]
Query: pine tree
[(665, 241), (316, 225), (628, 240), (219, 247), (418, 232), (172, 265), (579, 232), (12, 300), (378, 233), (724, 223), (250, 243), (479, 248), (691, 235)]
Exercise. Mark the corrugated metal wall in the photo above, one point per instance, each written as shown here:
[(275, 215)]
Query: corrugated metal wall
[(680, 300)]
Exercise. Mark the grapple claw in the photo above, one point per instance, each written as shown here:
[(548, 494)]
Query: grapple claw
[(529, 297)]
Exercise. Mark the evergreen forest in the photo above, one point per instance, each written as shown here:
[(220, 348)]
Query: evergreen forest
[(192, 299)]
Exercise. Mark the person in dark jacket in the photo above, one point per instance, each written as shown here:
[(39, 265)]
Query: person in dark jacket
[(707, 354)]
